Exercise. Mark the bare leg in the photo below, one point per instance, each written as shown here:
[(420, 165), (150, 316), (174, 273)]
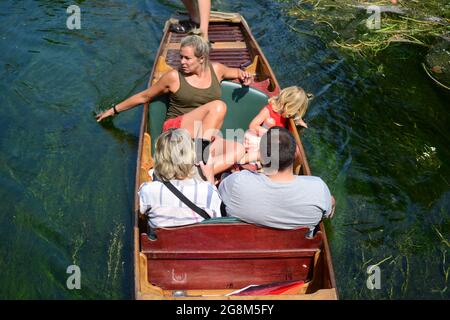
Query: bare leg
[(192, 10), (225, 153), (204, 8), (199, 12), (250, 156), (205, 120)]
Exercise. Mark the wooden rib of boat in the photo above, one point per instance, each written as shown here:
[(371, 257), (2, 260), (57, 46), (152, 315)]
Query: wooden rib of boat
[(211, 260)]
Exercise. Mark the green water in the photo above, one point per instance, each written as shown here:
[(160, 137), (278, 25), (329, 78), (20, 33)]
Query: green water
[(378, 136)]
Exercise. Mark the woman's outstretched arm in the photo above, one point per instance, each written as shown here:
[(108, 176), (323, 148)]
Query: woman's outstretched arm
[(162, 86)]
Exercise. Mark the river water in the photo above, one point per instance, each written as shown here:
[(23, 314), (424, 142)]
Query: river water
[(379, 136)]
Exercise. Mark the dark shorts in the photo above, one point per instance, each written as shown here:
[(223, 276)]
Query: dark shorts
[(173, 123)]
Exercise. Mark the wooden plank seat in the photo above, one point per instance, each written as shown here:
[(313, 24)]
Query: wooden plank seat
[(217, 32), (236, 254), (222, 55)]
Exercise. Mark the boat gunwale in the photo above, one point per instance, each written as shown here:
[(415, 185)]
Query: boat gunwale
[(142, 130)]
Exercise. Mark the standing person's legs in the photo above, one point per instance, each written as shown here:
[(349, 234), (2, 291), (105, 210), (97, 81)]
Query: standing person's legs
[(199, 12), (204, 9), (192, 10)]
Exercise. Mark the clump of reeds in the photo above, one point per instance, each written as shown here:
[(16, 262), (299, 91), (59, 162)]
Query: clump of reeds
[(408, 21)]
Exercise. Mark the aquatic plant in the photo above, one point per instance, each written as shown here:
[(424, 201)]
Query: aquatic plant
[(414, 22)]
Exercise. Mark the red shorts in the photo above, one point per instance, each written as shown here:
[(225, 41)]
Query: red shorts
[(173, 123)]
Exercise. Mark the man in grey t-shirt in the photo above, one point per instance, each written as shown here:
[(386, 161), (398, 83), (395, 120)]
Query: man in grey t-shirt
[(277, 198)]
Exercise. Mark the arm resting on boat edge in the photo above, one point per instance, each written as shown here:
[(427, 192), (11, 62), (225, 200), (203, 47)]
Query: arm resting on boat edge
[(225, 73), (160, 87)]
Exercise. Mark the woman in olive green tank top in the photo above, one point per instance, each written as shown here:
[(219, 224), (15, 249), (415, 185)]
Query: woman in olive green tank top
[(194, 98), (188, 97)]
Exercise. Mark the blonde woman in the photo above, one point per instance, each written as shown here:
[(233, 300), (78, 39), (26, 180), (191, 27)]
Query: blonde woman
[(175, 168), (291, 102), (194, 98)]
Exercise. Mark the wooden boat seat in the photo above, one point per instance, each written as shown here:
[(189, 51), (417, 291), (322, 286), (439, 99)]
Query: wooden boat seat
[(243, 104), (228, 255)]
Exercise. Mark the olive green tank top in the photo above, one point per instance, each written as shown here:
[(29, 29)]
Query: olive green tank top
[(187, 98)]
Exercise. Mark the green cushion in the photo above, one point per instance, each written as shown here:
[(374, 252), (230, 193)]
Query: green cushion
[(157, 115), (243, 104), (221, 220)]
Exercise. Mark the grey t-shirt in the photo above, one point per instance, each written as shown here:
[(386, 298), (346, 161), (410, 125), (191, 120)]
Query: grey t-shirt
[(254, 198)]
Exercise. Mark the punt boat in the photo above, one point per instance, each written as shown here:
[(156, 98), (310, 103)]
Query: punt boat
[(215, 258)]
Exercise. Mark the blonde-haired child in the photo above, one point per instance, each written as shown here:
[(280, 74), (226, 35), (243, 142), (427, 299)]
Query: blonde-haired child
[(291, 102)]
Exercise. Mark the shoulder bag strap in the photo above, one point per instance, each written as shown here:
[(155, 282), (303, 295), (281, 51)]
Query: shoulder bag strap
[(186, 201)]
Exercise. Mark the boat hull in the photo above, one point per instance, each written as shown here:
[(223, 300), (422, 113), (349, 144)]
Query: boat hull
[(210, 261)]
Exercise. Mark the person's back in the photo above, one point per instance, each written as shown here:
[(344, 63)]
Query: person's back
[(254, 198), (164, 209), (277, 198)]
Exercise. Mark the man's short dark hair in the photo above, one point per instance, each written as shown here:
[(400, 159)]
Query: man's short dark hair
[(277, 141)]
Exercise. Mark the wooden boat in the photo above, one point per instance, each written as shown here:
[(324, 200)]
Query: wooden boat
[(210, 260)]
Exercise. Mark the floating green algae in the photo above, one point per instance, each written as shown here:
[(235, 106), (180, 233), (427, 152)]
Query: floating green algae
[(350, 22)]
